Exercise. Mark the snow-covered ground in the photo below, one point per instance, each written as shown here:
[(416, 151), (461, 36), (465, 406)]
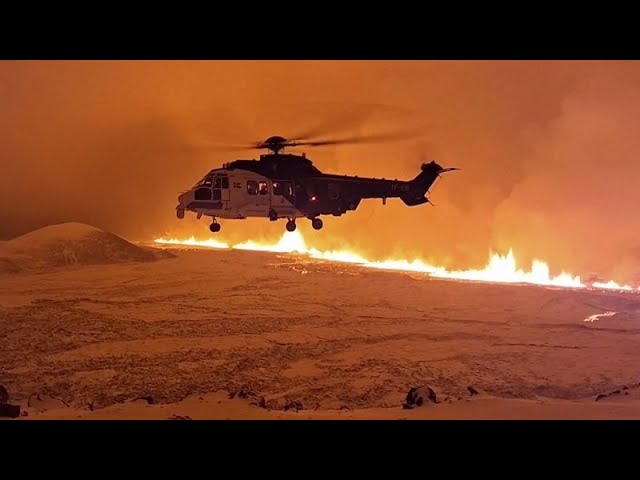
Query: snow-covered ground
[(303, 338)]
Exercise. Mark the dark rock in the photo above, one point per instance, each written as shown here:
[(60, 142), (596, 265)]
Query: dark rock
[(418, 397), (180, 417), (624, 387), (243, 393), (247, 394), (345, 407), (472, 390), (273, 405), (615, 392), (601, 396), (294, 405), (626, 393), (4, 395), (9, 411), (148, 399)]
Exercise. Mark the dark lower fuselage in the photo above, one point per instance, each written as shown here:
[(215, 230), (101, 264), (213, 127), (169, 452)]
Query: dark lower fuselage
[(336, 194)]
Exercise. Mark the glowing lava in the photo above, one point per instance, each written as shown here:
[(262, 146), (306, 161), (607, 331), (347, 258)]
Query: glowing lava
[(595, 317), (611, 285), (192, 242), (500, 268)]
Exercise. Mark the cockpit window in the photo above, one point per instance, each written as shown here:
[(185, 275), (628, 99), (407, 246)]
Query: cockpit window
[(205, 182)]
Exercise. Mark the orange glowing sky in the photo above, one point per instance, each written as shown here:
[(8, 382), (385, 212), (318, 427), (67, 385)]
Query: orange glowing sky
[(548, 150)]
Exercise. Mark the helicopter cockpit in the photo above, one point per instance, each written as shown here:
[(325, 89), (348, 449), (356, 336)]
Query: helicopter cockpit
[(210, 186)]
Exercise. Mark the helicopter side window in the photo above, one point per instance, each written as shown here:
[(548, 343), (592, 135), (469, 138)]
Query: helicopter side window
[(263, 188), (283, 188), (225, 182), (252, 187)]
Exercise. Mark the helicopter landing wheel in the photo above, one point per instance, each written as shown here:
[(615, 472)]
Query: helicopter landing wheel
[(316, 223), (214, 227), (291, 226), (180, 213)]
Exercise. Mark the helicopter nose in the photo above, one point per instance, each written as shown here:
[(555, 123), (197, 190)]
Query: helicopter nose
[(185, 198), (183, 202)]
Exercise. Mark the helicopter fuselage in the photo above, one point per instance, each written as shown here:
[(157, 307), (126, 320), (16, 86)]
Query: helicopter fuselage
[(289, 186)]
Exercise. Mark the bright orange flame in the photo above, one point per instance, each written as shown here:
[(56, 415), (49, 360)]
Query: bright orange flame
[(192, 242), (500, 268), (611, 285)]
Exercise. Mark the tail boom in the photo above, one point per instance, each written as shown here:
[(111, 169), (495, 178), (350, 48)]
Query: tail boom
[(419, 186)]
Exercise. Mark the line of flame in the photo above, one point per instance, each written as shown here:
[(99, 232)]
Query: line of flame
[(499, 269)]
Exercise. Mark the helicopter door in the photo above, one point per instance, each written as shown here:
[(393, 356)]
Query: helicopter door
[(258, 193), (221, 190), (283, 198)]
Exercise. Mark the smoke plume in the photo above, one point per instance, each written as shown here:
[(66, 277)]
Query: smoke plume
[(548, 151)]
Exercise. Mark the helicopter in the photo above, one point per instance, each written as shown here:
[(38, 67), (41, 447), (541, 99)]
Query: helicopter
[(289, 186)]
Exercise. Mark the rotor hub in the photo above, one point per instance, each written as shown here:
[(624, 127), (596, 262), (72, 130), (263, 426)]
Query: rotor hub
[(274, 143)]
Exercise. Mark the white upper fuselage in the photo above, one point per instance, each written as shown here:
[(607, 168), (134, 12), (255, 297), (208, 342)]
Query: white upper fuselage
[(238, 194)]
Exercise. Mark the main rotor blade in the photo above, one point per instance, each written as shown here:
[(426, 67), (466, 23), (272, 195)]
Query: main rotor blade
[(222, 148), (348, 118), (382, 137)]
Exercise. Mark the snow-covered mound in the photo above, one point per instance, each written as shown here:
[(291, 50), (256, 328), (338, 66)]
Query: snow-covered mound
[(6, 265), (71, 244)]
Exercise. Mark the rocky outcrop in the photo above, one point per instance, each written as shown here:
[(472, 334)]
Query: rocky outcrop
[(419, 396)]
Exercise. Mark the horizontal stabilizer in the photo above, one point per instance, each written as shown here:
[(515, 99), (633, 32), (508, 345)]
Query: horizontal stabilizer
[(420, 185)]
